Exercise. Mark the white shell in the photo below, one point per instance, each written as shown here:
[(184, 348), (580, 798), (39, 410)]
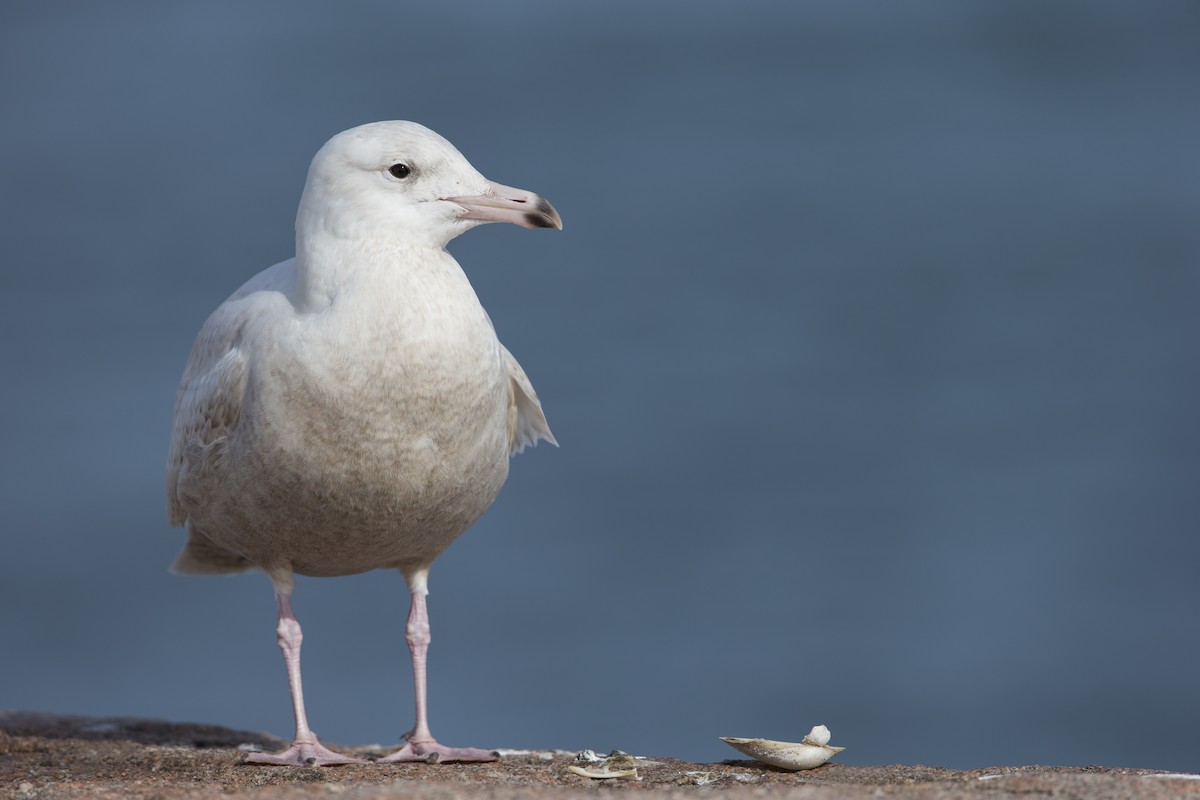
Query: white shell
[(819, 736), (814, 751)]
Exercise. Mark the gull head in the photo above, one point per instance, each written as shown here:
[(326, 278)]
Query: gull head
[(401, 181)]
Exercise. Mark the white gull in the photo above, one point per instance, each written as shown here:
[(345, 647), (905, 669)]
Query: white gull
[(351, 408)]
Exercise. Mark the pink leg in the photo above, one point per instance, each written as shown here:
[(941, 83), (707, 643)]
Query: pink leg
[(305, 749), (421, 746)]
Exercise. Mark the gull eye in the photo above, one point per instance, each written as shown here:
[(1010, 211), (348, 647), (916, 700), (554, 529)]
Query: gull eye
[(400, 170)]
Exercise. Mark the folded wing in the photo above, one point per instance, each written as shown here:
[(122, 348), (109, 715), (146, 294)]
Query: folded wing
[(526, 422), (209, 402)]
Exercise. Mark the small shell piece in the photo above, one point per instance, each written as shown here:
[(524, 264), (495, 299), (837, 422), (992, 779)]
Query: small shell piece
[(704, 778), (604, 773), (617, 764), (812, 752), (819, 736)]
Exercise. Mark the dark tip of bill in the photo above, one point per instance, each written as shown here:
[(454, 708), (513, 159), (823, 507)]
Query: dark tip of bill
[(539, 221)]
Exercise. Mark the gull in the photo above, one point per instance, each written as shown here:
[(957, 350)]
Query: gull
[(351, 408)]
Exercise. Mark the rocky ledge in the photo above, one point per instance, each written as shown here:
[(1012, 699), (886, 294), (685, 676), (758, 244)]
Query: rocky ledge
[(47, 757)]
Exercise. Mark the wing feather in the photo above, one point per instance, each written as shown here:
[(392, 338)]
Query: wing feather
[(526, 422), (208, 404)]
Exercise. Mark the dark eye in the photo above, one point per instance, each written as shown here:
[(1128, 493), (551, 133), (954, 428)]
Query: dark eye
[(400, 170)]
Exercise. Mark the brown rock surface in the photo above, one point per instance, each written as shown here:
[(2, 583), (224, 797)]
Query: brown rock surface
[(46, 757)]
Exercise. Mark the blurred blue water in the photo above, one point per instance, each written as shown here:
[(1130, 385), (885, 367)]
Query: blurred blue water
[(870, 342)]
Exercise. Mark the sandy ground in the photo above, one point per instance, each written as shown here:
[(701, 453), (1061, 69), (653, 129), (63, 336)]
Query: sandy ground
[(47, 756)]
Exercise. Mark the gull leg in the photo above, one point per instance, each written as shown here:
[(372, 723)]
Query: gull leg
[(306, 750), (420, 744)]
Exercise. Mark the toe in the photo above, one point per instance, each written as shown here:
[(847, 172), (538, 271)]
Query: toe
[(434, 753), (303, 754)]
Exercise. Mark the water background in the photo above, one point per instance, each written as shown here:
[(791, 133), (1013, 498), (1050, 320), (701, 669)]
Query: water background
[(871, 344)]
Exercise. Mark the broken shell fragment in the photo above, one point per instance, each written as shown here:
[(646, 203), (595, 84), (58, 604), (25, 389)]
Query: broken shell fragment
[(704, 778), (604, 773), (617, 764), (616, 760), (812, 752), (619, 759), (819, 736)]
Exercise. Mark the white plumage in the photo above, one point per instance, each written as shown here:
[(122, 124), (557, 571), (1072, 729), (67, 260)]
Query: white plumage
[(351, 408)]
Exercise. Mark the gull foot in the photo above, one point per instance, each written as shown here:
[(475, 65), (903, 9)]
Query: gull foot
[(303, 754), (433, 753)]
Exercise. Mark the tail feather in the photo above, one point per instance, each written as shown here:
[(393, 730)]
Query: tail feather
[(201, 557)]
